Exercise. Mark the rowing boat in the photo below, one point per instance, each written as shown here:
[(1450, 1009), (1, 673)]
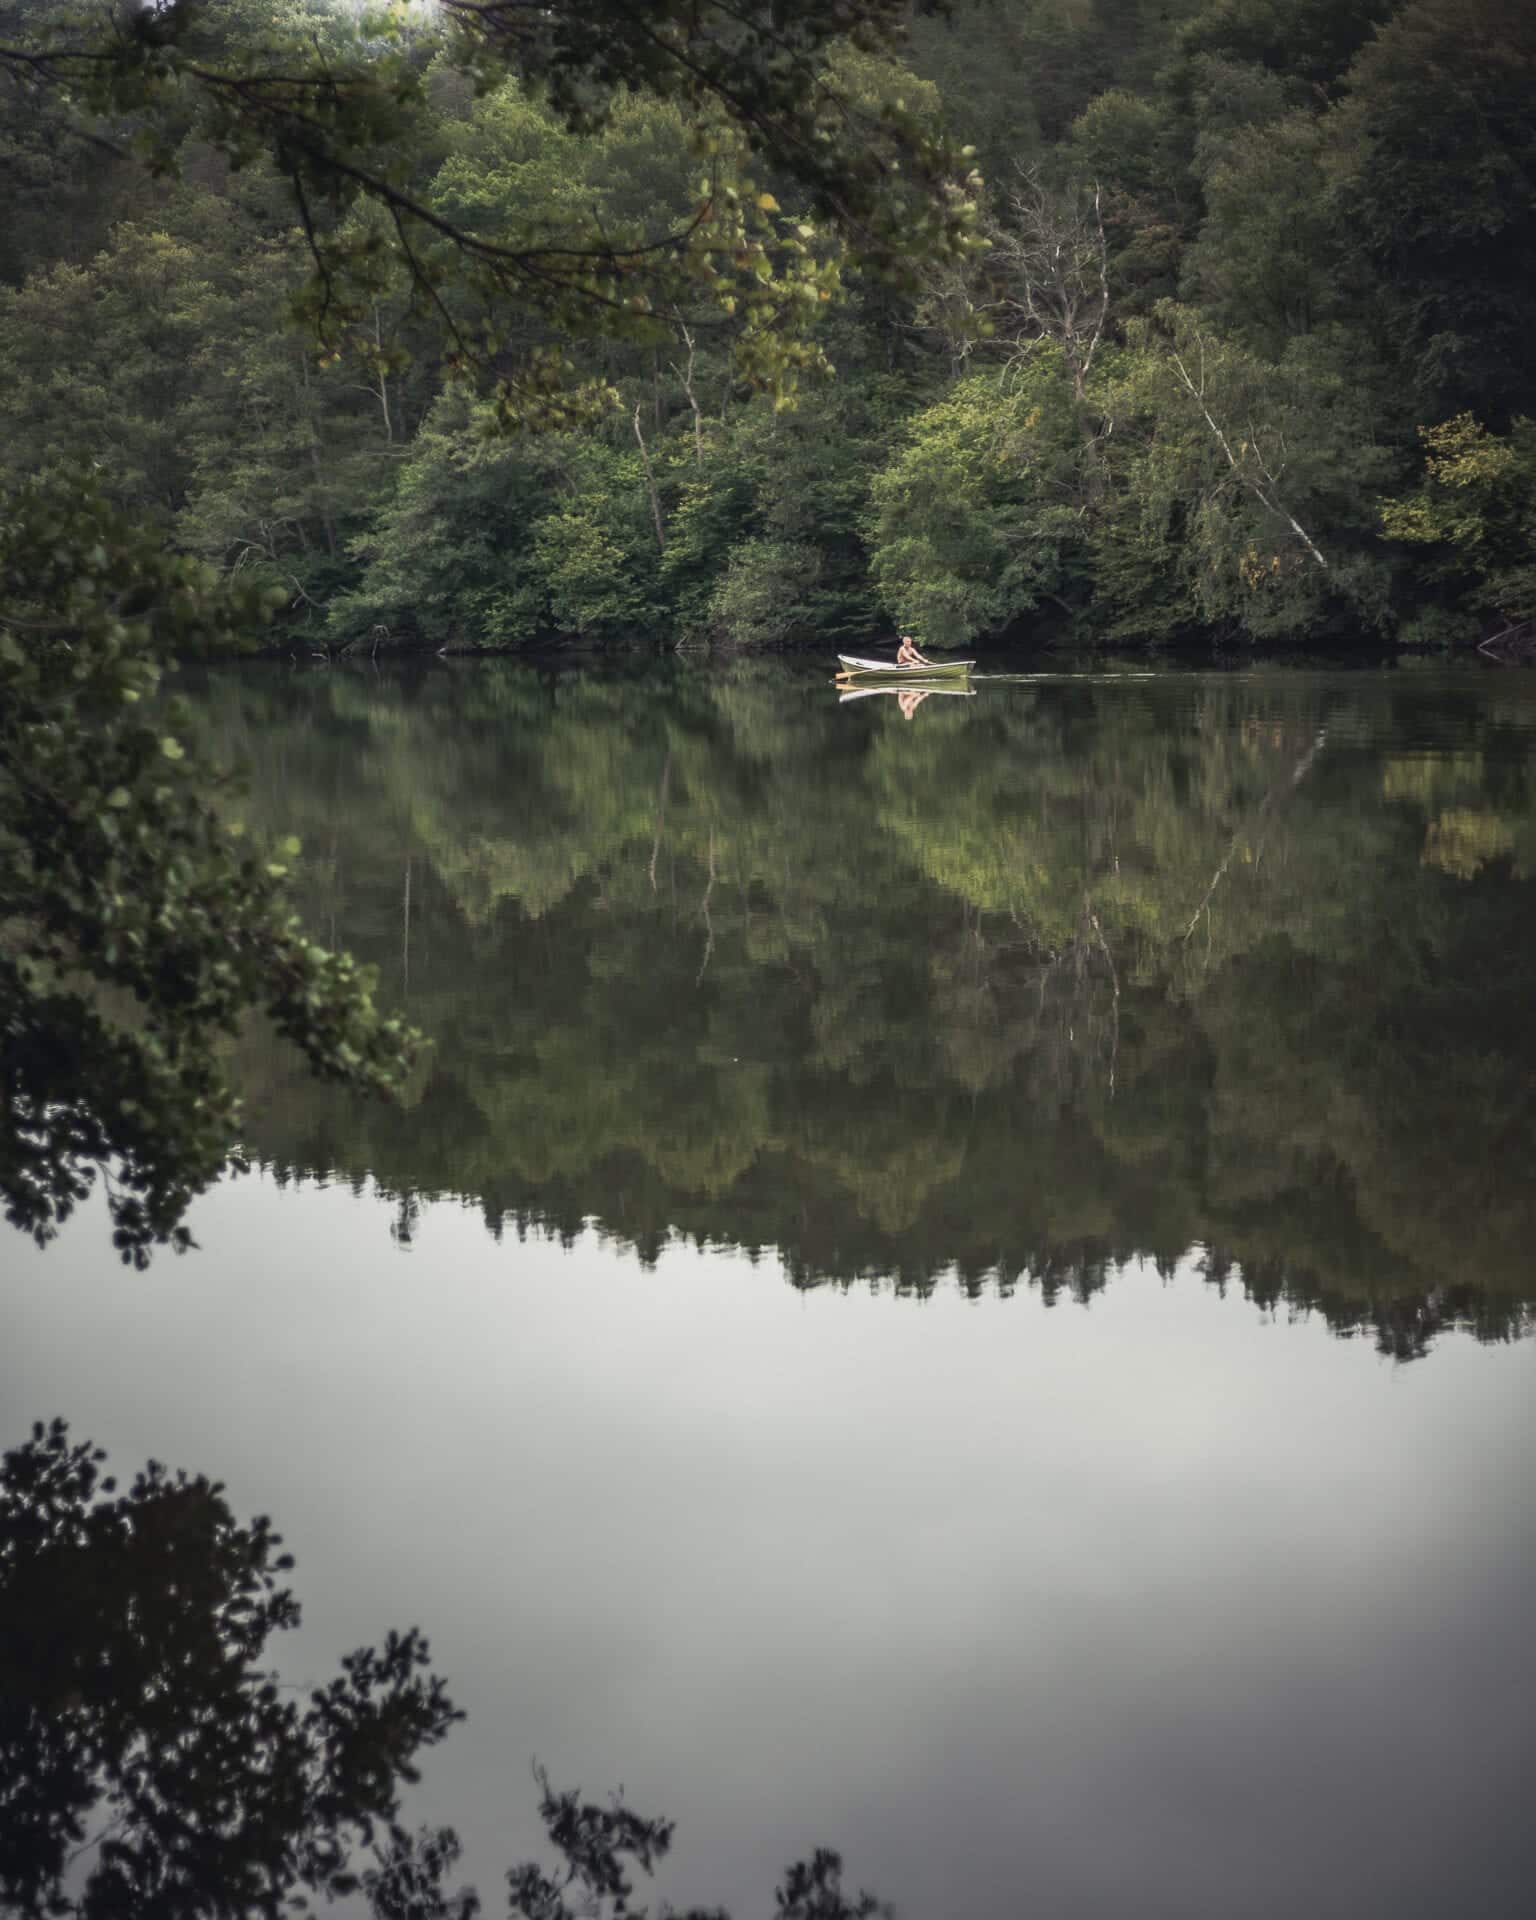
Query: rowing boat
[(888, 669)]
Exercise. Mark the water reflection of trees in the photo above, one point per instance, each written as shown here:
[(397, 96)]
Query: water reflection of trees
[(153, 1765), (1061, 977)]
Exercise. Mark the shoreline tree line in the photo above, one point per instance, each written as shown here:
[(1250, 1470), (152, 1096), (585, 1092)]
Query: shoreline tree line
[(1226, 339)]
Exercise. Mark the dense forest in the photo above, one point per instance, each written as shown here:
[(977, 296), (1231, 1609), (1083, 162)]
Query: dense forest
[(1240, 348)]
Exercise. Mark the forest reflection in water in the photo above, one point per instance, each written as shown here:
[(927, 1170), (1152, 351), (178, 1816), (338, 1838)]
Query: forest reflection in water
[(1014, 988)]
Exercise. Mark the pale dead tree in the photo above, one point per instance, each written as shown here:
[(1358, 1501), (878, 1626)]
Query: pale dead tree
[(378, 387), (383, 387), (1249, 463), (1515, 642), (947, 310), (268, 542), (650, 483), (685, 374), (1056, 266)]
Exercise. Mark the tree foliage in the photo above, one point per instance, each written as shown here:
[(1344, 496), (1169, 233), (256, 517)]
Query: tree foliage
[(138, 923), (980, 515), (649, 235), (1475, 509), (343, 125), (143, 1727), (139, 1723)]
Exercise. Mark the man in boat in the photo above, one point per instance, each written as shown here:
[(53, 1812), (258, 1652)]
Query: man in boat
[(907, 654)]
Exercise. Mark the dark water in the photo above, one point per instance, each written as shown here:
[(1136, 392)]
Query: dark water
[(678, 1355)]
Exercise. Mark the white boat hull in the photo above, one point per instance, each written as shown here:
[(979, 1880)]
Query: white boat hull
[(889, 669)]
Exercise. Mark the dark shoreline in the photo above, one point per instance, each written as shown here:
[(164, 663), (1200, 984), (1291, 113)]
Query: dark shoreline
[(1193, 656)]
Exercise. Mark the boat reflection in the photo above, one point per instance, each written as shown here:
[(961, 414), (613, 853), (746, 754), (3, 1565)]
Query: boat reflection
[(909, 697)]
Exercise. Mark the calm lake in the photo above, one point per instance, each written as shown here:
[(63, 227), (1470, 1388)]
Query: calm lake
[(955, 1284)]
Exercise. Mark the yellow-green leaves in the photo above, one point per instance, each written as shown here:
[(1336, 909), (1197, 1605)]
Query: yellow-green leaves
[(1476, 503)]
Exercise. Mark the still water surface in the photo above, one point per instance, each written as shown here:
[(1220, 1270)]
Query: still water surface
[(954, 1285)]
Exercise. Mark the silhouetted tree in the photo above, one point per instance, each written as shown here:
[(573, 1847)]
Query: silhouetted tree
[(152, 1766)]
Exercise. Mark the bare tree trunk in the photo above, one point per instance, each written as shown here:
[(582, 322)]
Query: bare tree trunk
[(1098, 313), (650, 483), (1263, 487), (685, 374)]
